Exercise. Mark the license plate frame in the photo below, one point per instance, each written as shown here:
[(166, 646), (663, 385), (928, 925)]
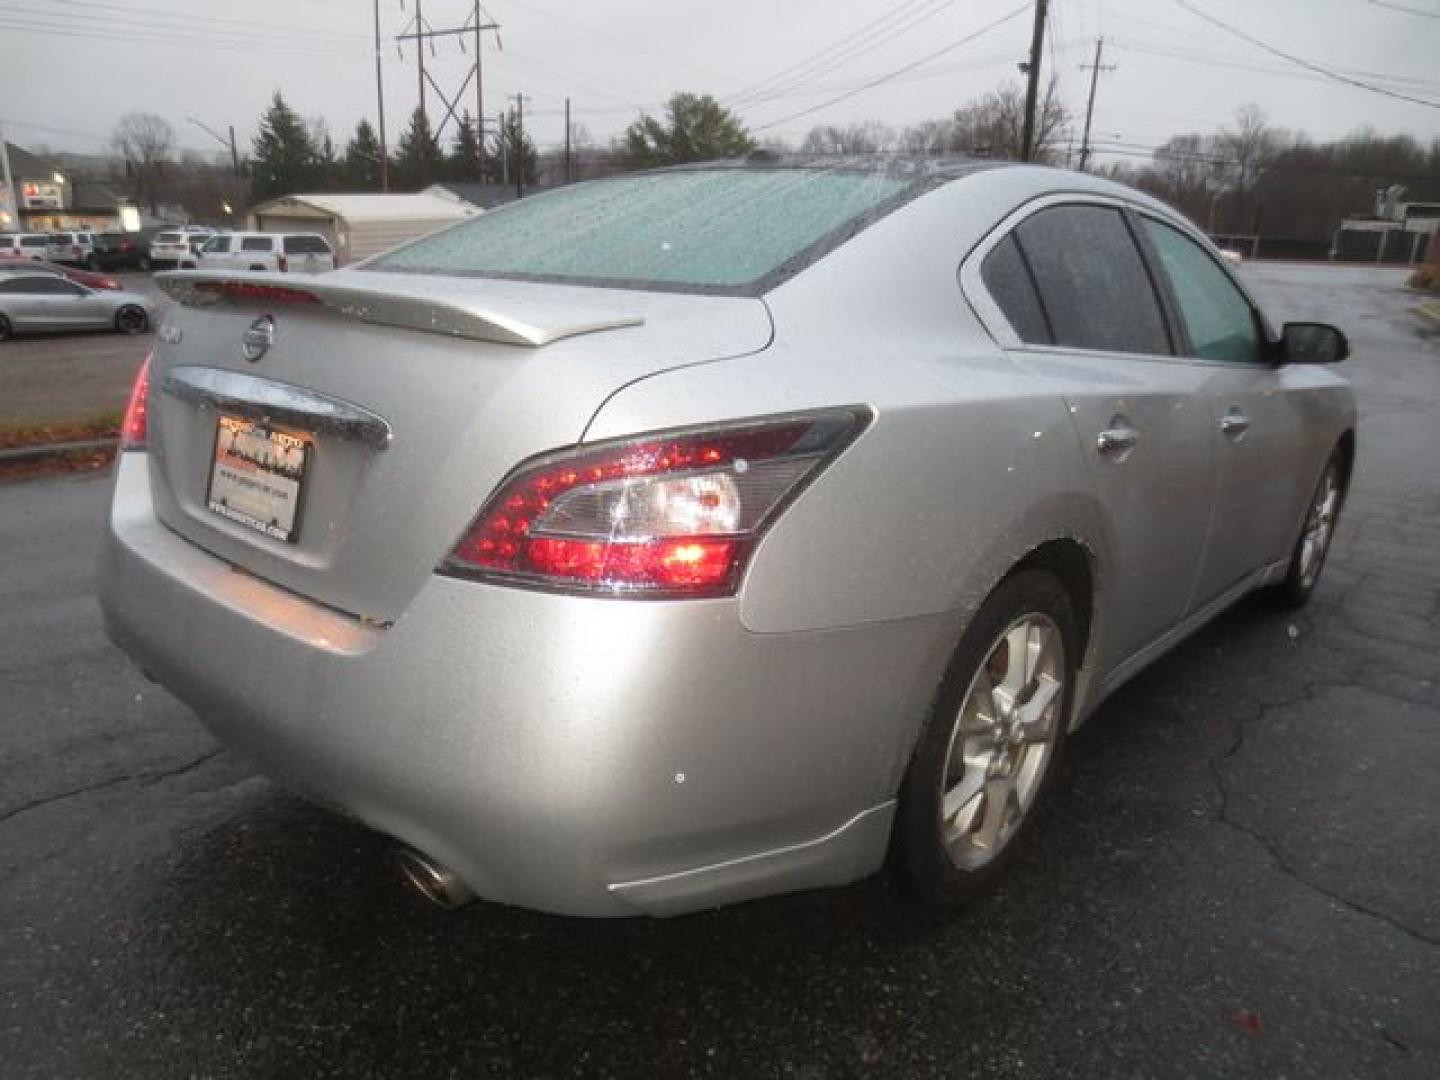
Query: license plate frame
[(258, 476)]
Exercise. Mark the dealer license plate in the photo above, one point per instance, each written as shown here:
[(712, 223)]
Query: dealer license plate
[(258, 476)]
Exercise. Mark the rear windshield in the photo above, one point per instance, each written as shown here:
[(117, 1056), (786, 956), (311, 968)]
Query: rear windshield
[(708, 230)]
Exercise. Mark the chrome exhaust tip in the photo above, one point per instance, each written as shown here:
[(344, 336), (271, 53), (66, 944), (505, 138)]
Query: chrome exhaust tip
[(438, 884)]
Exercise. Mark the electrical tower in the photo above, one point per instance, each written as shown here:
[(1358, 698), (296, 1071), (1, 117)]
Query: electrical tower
[(422, 33)]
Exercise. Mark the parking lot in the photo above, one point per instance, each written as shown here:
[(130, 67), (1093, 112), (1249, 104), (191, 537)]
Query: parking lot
[(1237, 874), (63, 376)]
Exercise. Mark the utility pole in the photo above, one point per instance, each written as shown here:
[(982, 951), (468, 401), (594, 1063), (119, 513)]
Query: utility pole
[(1032, 88), (500, 149), (569, 171), (380, 108), (420, 51), (517, 145), (1095, 70), (479, 99)]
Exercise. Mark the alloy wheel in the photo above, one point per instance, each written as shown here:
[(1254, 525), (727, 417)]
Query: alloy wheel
[(1003, 740), (1319, 527)]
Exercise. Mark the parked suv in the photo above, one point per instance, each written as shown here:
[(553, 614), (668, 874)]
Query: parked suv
[(303, 252), (71, 248), (24, 245), (174, 247), (122, 251)]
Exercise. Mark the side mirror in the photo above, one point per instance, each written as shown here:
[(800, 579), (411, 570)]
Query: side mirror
[(1312, 343)]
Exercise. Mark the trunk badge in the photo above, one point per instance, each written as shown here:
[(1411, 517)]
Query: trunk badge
[(258, 338)]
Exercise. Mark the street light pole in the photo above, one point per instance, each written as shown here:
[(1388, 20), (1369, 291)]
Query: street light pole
[(234, 159)]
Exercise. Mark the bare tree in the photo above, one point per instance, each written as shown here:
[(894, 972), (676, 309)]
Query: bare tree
[(1249, 145), (993, 125), (145, 142), (869, 137)]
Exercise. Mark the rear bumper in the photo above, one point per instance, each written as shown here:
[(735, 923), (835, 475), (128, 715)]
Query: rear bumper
[(580, 756)]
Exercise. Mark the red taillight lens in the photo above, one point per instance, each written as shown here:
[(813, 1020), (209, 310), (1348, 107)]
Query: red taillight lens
[(282, 263), (108, 283), (243, 290), (668, 515), (134, 429)]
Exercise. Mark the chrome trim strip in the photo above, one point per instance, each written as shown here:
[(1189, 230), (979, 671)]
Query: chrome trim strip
[(267, 401)]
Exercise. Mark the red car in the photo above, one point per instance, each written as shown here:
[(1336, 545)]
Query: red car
[(88, 278)]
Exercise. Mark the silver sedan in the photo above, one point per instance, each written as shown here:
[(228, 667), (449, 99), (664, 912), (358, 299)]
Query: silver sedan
[(685, 537), (33, 303)]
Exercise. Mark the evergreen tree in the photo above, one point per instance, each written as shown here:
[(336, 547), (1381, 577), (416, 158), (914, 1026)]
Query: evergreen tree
[(697, 128), (284, 154), (464, 162), (510, 145), (419, 160), (361, 166)]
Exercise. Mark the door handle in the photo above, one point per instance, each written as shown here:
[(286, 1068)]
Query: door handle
[(1234, 423), (1116, 440)]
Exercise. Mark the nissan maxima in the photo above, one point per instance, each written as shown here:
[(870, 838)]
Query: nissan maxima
[(684, 537)]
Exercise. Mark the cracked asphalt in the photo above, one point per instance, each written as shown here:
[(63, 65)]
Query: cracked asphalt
[(1236, 874)]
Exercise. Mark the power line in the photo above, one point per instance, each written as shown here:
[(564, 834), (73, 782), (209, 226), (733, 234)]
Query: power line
[(889, 76), (1406, 10), (1308, 64), (100, 30), (848, 47), (187, 19), (1259, 67)]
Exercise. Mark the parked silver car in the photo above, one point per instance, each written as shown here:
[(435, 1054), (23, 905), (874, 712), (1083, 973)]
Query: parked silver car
[(43, 302), (684, 537)]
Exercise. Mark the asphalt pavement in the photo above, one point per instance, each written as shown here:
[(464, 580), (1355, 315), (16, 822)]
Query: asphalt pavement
[(64, 376), (1236, 875)]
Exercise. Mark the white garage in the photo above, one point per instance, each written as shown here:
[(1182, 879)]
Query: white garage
[(359, 225)]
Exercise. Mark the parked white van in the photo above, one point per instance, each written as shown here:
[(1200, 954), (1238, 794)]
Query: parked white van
[(308, 253)]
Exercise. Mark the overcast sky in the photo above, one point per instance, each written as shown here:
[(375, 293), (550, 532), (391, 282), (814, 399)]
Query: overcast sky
[(70, 68)]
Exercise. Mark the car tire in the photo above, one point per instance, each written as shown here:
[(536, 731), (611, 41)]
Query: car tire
[(1307, 558), (6, 330), (131, 319), (991, 743)]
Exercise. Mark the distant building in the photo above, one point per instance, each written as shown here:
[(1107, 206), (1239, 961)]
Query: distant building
[(359, 226), (484, 196), (52, 198), (1396, 232)]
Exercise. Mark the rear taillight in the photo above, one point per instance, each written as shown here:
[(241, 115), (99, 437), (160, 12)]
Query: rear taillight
[(134, 429), (245, 290), (282, 263), (667, 515)]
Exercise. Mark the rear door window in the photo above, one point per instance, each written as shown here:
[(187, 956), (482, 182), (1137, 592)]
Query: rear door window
[(217, 245), (306, 245), (1093, 284), (1009, 282), (1219, 321)]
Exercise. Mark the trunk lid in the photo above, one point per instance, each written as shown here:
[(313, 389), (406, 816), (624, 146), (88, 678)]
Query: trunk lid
[(414, 395)]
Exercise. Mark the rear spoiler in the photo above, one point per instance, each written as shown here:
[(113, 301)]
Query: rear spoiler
[(432, 305)]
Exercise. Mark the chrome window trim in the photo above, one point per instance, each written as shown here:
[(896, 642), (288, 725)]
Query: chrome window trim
[(977, 295)]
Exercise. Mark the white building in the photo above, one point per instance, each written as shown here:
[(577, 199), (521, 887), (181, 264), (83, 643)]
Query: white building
[(359, 226)]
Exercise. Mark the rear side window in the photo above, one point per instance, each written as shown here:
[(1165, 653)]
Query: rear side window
[(61, 238), (1093, 284), (218, 245), (33, 241), (256, 243), (1220, 322), (306, 245), (1009, 282), (725, 230), (43, 286)]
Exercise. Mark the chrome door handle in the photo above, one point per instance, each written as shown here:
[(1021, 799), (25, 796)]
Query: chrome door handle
[(1116, 440), (1235, 423)]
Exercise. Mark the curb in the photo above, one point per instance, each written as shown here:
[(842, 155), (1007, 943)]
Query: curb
[(22, 455)]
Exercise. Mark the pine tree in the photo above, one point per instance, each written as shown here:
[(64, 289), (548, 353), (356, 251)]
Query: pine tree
[(284, 154), (419, 161), (361, 166), (510, 145), (464, 162), (697, 128)]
